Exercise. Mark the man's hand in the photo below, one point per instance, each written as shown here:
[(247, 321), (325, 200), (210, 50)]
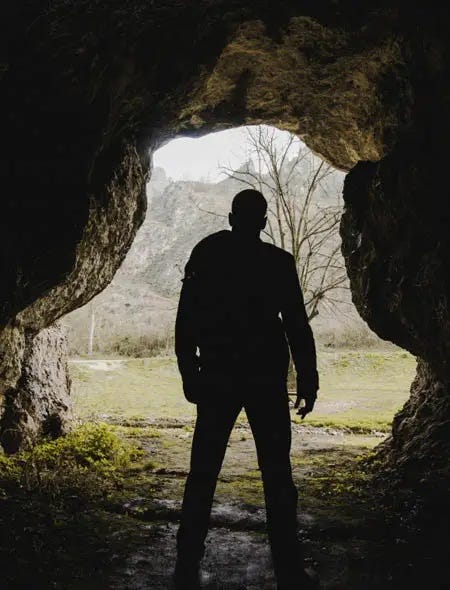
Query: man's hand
[(191, 386), (309, 396), (307, 408)]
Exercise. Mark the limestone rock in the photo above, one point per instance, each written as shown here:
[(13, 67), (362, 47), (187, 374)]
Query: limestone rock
[(39, 404), (88, 87)]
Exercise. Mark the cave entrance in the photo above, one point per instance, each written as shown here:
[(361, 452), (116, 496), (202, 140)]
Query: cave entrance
[(122, 341), (357, 84), (124, 371)]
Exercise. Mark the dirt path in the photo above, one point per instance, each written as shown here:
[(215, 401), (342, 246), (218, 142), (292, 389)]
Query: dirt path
[(337, 537), (345, 534)]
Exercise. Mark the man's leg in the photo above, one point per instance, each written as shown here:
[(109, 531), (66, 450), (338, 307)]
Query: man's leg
[(269, 417), (215, 420)]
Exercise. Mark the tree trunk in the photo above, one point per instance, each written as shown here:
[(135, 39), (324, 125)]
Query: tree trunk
[(91, 330)]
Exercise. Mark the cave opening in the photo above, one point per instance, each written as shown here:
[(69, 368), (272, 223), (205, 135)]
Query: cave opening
[(368, 89), (122, 360), (188, 197)]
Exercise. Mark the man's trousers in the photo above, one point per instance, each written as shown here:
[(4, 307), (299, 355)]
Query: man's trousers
[(267, 410)]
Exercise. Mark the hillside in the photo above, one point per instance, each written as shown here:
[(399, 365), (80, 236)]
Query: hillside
[(141, 300)]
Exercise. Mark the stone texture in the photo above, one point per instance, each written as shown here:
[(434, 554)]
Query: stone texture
[(397, 255), (39, 404), (418, 450), (109, 231), (87, 87), (308, 80)]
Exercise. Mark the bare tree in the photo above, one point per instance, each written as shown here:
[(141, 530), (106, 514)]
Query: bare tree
[(90, 348), (290, 177)]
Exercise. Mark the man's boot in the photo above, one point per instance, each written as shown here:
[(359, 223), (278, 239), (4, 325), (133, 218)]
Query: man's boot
[(301, 580), (187, 575), (289, 567)]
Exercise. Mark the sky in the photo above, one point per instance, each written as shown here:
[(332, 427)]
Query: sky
[(200, 158)]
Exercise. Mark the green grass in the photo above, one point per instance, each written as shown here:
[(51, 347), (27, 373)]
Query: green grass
[(74, 511), (360, 391), (359, 394), (128, 389)]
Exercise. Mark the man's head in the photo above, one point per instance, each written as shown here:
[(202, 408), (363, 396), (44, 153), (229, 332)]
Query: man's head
[(248, 213)]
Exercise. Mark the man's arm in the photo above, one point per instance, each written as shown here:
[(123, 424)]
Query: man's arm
[(185, 334), (301, 339)]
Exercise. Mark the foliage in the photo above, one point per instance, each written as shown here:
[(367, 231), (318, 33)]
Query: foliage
[(356, 336), (137, 346), (85, 462), (127, 345)]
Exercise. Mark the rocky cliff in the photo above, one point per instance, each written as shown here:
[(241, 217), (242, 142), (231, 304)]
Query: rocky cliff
[(142, 298)]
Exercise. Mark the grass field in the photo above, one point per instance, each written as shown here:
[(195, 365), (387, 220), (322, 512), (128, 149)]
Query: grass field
[(360, 390), (98, 510)]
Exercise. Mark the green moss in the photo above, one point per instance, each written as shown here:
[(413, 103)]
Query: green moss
[(86, 462), (335, 486), (244, 490)]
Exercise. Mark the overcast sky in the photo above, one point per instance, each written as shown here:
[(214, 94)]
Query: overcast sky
[(194, 159)]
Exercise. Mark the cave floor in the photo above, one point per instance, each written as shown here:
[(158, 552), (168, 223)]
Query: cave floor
[(334, 520), (126, 540)]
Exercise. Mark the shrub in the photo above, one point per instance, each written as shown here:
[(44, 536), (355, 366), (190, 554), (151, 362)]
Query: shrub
[(85, 463), (139, 346), (354, 336)]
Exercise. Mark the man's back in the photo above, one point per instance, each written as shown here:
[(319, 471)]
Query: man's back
[(239, 294)]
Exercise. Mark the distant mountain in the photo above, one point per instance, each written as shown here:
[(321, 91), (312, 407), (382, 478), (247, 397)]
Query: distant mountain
[(142, 298)]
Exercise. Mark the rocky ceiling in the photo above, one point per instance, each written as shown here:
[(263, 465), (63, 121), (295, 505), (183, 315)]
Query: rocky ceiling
[(89, 88)]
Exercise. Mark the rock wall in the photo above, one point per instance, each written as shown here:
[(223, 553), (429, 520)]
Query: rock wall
[(39, 403), (108, 233), (308, 79), (416, 455), (88, 87), (397, 250)]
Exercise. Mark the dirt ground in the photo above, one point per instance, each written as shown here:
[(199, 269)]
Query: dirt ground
[(126, 540), (342, 534)]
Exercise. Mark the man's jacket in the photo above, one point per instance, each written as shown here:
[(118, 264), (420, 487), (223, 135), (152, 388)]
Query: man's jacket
[(240, 308)]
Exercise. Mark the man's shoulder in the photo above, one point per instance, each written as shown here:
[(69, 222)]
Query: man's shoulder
[(277, 253), (212, 239), (216, 239), (210, 244)]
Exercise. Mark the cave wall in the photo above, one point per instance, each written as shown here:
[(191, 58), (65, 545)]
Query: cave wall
[(38, 404), (397, 249), (88, 88), (310, 80), (107, 235)]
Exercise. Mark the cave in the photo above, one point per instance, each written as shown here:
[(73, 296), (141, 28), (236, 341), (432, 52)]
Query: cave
[(88, 88)]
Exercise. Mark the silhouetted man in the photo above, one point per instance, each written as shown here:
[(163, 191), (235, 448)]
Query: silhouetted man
[(240, 306)]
